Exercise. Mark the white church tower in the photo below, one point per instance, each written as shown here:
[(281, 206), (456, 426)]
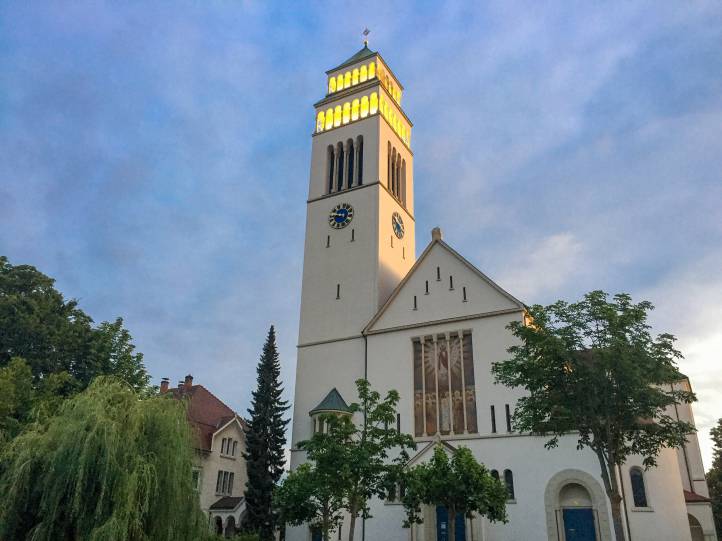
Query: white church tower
[(359, 225)]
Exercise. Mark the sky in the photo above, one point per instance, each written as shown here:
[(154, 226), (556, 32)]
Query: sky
[(154, 159)]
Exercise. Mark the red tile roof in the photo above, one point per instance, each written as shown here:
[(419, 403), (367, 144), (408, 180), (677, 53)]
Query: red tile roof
[(693, 497), (206, 412)]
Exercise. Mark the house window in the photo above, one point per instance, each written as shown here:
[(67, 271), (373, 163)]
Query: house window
[(223, 446), (444, 385), (495, 474), (639, 492), (224, 482), (235, 446), (196, 479)]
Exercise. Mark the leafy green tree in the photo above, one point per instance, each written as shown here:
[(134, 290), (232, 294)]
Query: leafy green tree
[(110, 466), (461, 485), (714, 477), (53, 335), (310, 495), (16, 397), (593, 368), (265, 442), (361, 454)]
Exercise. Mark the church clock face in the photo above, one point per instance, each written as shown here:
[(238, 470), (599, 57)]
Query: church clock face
[(340, 216), (398, 224)]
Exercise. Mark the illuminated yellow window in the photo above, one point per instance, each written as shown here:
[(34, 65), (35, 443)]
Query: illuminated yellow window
[(320, 121), (354, 109), (331, 85), (354, 77), (337, 116), (372, 70), (329, 119), (346, 112), (363, 74), (374, 103), (403, 133), (347, 79), (364, 107), (339, 82)]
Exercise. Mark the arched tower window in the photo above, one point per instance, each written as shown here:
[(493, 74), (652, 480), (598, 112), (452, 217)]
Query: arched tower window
[(354, 109), (330, 162), (347, 79), (509, 482), (320, 121), (362, 74), (639, 491), (350, 163), (372, 70), (374, 103), (364, 107), (354, 77), (329, 119), (337, 116), (346, 112), (360, 165), (388, 165), (339, 82), (403, 182), (332, 85), (339, 167)]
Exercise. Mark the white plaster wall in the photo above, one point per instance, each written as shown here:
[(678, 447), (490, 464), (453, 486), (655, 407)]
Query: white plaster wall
[(214, 461), (396, 256)]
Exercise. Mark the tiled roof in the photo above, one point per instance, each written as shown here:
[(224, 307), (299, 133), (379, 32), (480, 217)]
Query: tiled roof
[(227, 502), (693, 497), (206, 412), (365, 52)]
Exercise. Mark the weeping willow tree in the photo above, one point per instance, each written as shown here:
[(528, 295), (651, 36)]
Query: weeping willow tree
[(109, 466)]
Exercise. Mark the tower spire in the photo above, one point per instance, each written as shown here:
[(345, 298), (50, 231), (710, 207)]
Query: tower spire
[(366, 33)]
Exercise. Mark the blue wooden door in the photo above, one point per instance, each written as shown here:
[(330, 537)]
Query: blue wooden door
[(442, 525), (316, 535), (579, 525)]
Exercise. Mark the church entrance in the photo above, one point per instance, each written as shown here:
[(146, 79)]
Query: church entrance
[(579, 525), (442, 525)]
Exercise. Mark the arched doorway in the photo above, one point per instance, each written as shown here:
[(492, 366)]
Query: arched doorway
[(219, 526), (695, 528), (442, 525), (577, 513), (230, 527)]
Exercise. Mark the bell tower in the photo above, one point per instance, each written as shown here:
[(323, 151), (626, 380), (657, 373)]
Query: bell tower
[(360, 209)]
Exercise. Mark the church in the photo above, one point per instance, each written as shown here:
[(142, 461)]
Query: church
[(430, 327)]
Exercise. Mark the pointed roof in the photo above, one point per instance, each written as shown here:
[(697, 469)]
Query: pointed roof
[(365, 52), (428, 449), (333, 402), (436, 239)]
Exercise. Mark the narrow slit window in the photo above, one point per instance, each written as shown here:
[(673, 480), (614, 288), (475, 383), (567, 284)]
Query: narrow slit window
[(451, 282), (328, 241), (403, 252), (392, 241), (438, 274), (464, 290), (398, 423), (353, 235), (507, 410), (338, 291), (493, 420), (427, 288), (509, 482), (415, 304)]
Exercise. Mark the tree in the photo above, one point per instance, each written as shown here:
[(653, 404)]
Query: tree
[(54, 335), (360, 454), (714, 477), (461, 485), (310, 495), (265, 442), (592, 368), (110, 466)]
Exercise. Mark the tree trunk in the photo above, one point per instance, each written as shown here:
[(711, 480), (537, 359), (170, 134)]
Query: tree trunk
[(612, 489), (352, 523), (451, 514)]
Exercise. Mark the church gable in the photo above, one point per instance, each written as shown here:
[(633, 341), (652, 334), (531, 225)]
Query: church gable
[(442, 285)]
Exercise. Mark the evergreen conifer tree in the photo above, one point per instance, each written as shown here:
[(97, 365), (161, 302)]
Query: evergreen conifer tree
[(714, 477), (265, 442)]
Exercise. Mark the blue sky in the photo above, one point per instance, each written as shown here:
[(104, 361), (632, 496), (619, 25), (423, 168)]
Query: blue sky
[(154, 159)]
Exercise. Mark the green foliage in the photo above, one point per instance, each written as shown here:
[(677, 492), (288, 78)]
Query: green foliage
[(16, 397), (311, 495), (109, 466), (359, 455), (265, 442), (54, 336), (593, 368), (461, 484), (714, 477)]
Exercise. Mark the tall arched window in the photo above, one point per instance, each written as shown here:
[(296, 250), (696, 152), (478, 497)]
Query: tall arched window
[(360, 165), (364, 107), (347, 79), (332, 85), (339, 82), (495, 474), (346, 112), (339, 167), (354, 77), (509, 482), (374, 103), (337, 116), (350, 163), (329, 119), (403, 182), (372, 70), (354, 109), (320, 121), (362, 74), (639, 491), (330, 162), (388, 165)]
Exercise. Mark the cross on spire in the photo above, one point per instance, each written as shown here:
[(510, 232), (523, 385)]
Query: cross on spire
[(366, 33)]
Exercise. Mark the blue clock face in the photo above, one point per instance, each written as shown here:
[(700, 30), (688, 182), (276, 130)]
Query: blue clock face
[(398, 224), (340, 216)]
